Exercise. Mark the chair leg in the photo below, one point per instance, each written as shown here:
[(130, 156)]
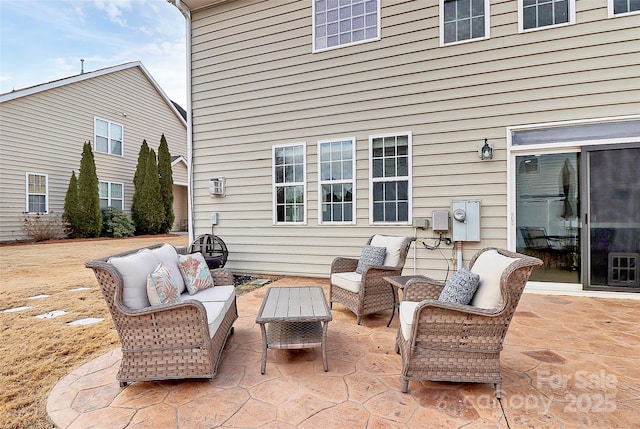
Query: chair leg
[(498, 390), (404, 385), (358, 319)]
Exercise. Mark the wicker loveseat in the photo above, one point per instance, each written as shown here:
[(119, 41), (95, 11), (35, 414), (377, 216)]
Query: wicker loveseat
[(165, 341), (442, 341)]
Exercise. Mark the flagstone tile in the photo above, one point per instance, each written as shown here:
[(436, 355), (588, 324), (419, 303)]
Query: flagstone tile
[(155, 417)]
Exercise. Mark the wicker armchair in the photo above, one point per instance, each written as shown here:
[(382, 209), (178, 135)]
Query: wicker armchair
[(368, 292), (167, 341), (441, 341)]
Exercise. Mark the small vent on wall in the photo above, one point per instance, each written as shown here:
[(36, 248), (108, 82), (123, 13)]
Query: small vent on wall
[(217, 186)]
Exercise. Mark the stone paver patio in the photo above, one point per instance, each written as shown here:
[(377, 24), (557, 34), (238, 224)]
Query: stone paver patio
[(568, 362)]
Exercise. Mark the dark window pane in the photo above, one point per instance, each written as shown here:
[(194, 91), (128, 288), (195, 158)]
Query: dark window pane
[(561, 12), (477, 7), (464, 29), (477, 29), (377, 191), (545, 15), (377, 168), (378, 212), (390, 212)]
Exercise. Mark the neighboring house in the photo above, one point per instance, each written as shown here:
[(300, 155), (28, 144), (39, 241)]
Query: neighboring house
[(331, 120), (43, 129)]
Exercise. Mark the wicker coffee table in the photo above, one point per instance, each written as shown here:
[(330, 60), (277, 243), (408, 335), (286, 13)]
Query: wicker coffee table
[(294, 318)]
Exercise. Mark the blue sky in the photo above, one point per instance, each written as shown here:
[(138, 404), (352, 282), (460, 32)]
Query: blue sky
[(44, 40)]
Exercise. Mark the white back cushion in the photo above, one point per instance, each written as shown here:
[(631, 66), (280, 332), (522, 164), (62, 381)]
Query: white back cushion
[(489, 266), (169, 257), (393, 245), (406, 311), (134, 270)]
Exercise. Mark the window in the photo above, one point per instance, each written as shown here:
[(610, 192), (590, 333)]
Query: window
[(289, 186), (37, 193), (111, 195), (336, 166), (621, 7), (108, 137), (344, 22), (390, 170), (462, 20), (534, 14)]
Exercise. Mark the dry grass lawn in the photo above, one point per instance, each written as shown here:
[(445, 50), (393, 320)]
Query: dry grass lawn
[(36, 353)]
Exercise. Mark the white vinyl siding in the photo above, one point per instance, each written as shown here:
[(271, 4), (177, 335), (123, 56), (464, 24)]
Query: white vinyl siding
[(111, 195), (537, 14), (337, 167), (37, 193), (464, 20), (623, 7), (344, 22), (289, 184), (108, 137), (390, 178)]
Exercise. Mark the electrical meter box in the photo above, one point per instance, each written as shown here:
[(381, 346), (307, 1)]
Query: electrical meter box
[(466, 220)]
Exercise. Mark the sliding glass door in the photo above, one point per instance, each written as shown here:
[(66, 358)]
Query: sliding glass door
[(547, 214), (612, 217)]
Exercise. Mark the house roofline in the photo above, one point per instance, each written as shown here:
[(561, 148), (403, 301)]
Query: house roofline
[(19, 93)]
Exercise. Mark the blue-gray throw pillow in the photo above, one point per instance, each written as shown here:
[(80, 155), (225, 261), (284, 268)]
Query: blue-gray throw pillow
[(459, 289), (371, 255)]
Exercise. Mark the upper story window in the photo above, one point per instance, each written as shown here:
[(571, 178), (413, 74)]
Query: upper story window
[(344, 22), (108, 137), (534, 14), (390, 177), (336, 166), (622, 7), (289, 184), (37, 193), (111, 195), (462, 20)]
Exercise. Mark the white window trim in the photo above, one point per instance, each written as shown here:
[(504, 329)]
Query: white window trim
[(572, 18), (409, 178), (274, 196), (313, 31), (109, 198), (611, 14), (352, 181), (487, 25), (95, 147), (46, 193)]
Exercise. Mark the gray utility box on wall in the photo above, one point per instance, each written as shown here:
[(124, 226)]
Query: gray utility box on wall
[(466, 220)]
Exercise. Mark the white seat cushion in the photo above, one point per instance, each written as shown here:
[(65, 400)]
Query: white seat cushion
[(215, 314), (407, 308), (169, 257), (350, 281), (489, 266), (393, 245), (134, 270), (216, 300)]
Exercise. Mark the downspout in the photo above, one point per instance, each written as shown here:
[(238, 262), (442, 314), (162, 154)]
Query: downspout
[(187, 14)]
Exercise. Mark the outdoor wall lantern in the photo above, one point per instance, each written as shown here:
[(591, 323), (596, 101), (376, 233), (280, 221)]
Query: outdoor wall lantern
[(486, 151), (217, 186)]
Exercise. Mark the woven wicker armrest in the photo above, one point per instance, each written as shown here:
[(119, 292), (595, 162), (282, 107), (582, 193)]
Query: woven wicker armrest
[(222, 276), (420, 289), (437, 324), (174, 325), (344, 265), (431, 304)]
